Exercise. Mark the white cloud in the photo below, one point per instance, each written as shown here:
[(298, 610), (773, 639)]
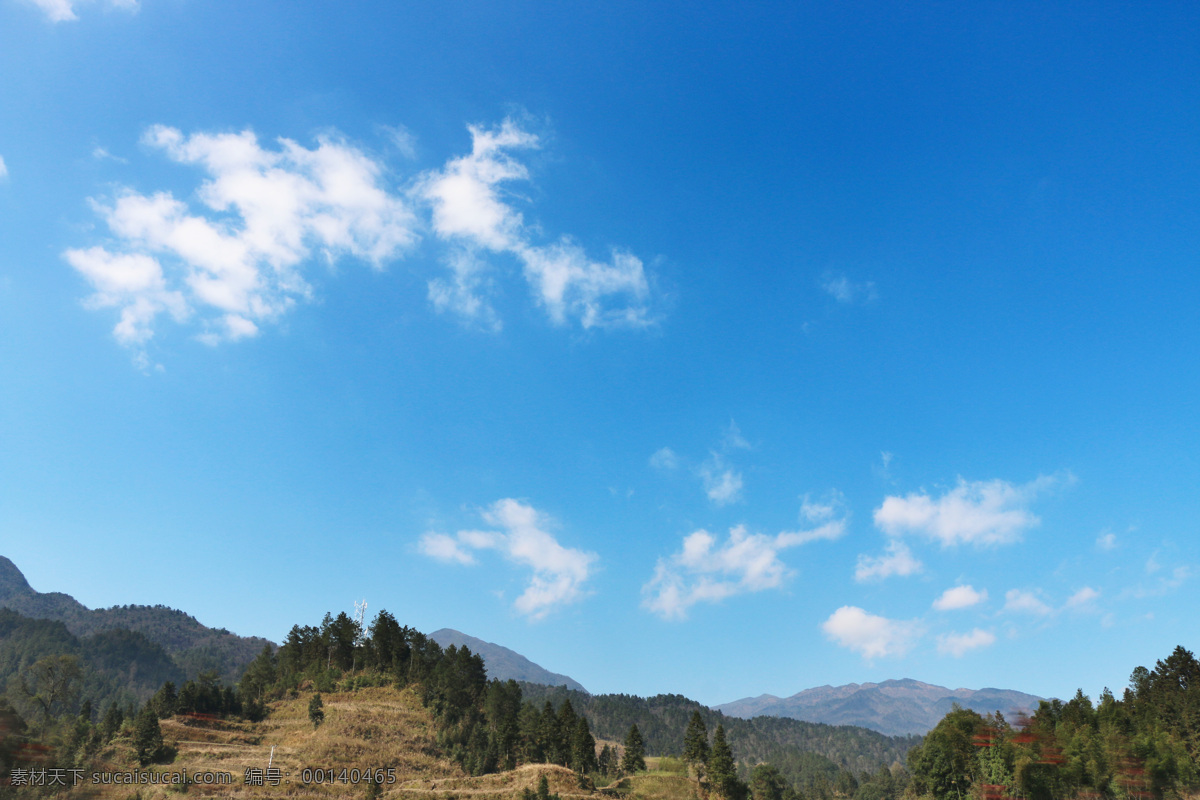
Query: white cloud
[(236, 264), (959, 597), (1084, 598), (842, 289), (977, 512), (869, 635), (444, 548), (705, 571), (559, 573), (664, 458), (1020, 601), (132, 282), (3, 169), (1106, 541), (958, 644), (898, 561), (833, 504), (722, 484), (64, 10), (238, 255), (470, 209)]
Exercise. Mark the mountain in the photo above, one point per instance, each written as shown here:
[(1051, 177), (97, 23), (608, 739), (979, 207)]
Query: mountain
[(895, 707), (502, 663), (194, 647)]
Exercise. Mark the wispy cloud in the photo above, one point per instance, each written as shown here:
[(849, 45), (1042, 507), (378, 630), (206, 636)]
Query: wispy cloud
[(844, 290), (821, 509), (959, 597), (664, 458), (65, 10), (3, 169), (898, 560), (101, 154), (559, 573), (959, 644), (869, 635), (707, 571), (471, 210), (1106, 541), (722, 483), (977, 512), (1025, 602), (1083, 599), (732, 438)]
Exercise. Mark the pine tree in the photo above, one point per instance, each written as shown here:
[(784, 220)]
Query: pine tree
[(567, 720), (607, 762), (634, 759), (583, 748), (722, 771), (147, 736), (695, 744), (316, 710)]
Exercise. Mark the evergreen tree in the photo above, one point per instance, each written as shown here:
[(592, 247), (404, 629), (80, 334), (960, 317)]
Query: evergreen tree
[(607, 763), (112, 721), (634, 759), (583, 748), (722, 771), (147, 736), (567, 720), (551, 737), (165, 700), (695, 744), (767, 784), (316, 710)]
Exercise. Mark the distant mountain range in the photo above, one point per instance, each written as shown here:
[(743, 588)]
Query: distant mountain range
[(504, 664), (896, 707), (192, 646)]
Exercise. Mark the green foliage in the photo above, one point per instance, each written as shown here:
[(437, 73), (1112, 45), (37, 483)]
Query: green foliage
[(722, 771), (945, 764), (147, 737), (695, 743), (767, 784), (634, 757), (1142, 746), (583, 748), (316, 711)]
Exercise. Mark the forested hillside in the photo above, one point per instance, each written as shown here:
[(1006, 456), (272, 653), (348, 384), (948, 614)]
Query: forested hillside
[(1147, 744), (801, 750), (121, 667), (193, 647)]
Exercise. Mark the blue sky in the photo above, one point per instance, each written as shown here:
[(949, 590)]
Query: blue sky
[(701, 349)]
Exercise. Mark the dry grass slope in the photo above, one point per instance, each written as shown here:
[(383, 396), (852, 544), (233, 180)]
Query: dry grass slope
[(366, 729)]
